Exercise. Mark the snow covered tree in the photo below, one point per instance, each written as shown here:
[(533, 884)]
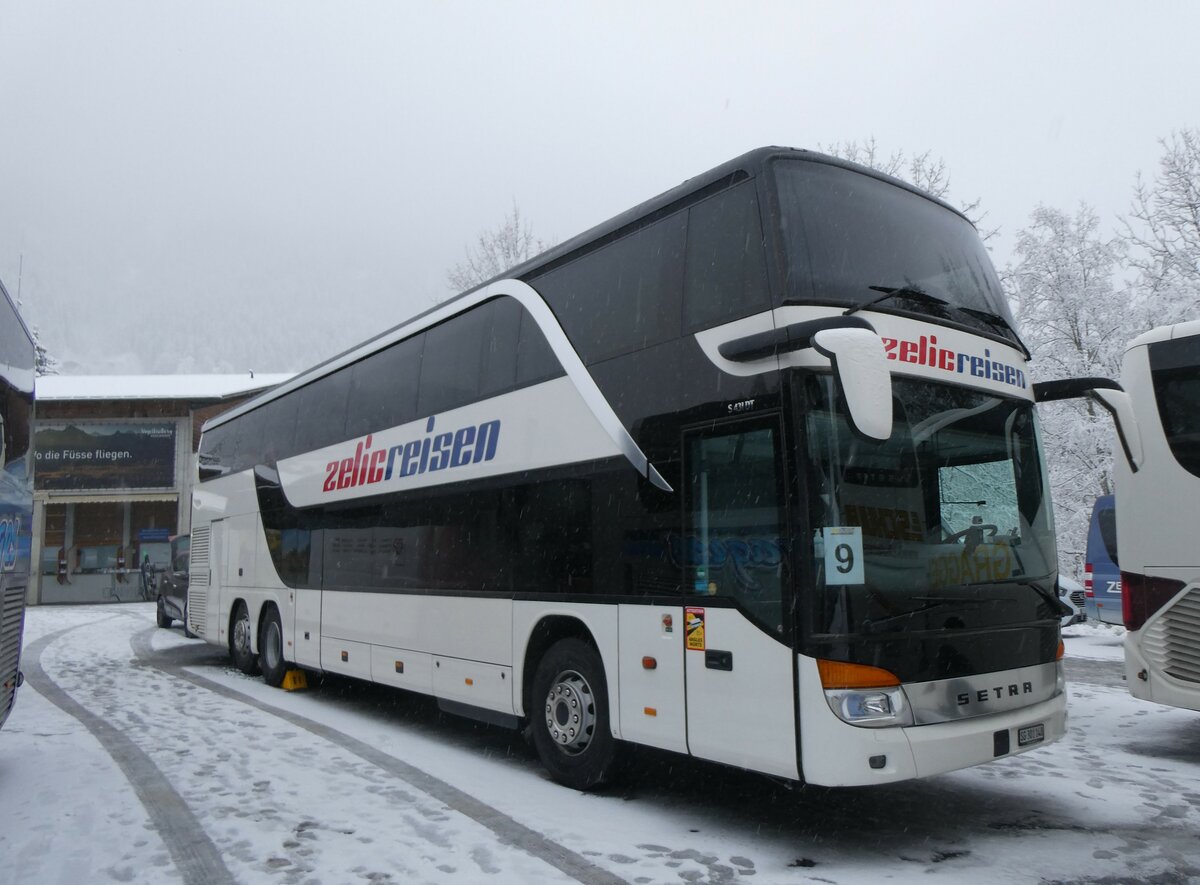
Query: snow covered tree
[(43, 362), (1075, 318), (921, 170), (1163, 232), (495, 252)]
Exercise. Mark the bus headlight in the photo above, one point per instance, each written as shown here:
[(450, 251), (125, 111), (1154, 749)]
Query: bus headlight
[(872, 707)]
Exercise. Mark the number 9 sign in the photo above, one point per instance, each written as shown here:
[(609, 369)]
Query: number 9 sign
[(843, 554)]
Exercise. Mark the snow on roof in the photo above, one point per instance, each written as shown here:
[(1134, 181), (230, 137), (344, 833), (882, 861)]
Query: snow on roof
[(117, 387)]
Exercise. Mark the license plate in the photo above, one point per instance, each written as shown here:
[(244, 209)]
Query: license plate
[(1030, 734)]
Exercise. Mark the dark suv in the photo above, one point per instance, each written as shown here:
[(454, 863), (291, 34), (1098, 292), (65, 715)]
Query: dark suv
[(172, 584)]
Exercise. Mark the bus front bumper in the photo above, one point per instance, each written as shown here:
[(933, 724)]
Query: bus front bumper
[(836, 754)]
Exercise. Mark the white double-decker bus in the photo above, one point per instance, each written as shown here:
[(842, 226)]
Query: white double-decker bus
[(749, 472), (1158, 508)]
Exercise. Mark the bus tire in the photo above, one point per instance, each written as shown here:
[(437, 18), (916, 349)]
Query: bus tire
[(270, 648), (240, 648), (569, 715), (160, 614), (187, 631)]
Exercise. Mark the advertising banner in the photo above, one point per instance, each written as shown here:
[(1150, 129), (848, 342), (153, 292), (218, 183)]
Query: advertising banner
[(85, 457)]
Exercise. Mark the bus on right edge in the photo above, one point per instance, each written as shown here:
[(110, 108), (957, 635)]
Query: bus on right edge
[(1158, 505)]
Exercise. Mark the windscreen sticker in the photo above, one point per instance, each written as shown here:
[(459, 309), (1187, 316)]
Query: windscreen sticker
[(694, 619), (843, 554), (983, 564)]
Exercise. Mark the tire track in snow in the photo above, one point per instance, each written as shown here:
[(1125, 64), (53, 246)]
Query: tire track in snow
[(507, 829), (196, 857)]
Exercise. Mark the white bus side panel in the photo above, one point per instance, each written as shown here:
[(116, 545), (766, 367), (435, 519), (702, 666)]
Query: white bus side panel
[(456, 648), (835, 754), (242, 534), (653, 707), (308, 628), (746, 715)]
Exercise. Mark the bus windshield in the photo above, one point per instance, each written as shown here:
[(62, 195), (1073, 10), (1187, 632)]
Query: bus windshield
[(947, 524), (849, 239)]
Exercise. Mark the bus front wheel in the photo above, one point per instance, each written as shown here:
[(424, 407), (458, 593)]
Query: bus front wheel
[(240, 648), (569, 715)]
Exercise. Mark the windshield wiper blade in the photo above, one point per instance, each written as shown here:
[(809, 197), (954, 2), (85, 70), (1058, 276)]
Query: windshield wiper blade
[(910, 292), (998, 322), (932, 602)]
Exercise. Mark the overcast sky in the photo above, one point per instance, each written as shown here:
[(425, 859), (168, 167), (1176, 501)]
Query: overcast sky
[(223, 186)]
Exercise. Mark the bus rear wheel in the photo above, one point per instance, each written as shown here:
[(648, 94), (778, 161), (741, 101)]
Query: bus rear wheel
[(240, 647), (270, 648), (569, 715)]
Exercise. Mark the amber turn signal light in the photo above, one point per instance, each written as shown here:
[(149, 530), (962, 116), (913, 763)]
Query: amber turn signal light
[(839, 674)]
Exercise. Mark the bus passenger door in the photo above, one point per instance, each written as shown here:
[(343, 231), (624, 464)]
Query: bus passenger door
[(741, 707)]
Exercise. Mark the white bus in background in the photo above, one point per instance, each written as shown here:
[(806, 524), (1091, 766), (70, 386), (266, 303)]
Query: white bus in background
[(1158, 518), (16, 492), (750, 472)]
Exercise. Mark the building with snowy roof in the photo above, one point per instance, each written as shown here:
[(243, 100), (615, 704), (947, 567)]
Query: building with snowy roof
[(114, 464)]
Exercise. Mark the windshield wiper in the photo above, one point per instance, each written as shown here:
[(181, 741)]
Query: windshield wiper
[(998, 322), (932, 602), (910, 292)]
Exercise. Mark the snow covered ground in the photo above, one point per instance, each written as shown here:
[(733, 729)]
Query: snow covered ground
[(1094, 641), (351, 783)]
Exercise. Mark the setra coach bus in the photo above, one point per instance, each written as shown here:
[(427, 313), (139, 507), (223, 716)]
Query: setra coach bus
[(750, 472), (16, 491)]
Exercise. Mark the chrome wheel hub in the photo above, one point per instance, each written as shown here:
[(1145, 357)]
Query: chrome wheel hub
[(570, 713), (241, 636)]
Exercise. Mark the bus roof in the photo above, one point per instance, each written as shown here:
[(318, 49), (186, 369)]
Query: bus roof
[(748, 165), (1165, 333)]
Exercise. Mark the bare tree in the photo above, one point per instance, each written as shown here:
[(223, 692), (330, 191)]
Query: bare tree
[(922, 170), (495, 252), (1163, 230), (1075, 318)]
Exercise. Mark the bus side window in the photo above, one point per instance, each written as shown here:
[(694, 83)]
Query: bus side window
[(726, 275), (502, 326), (623, 296), (536, 361), (383, 388), (279, 435), (1176, 379), (450, 367), (322, 412)]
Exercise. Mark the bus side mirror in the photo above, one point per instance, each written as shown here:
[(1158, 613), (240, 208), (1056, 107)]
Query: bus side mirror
[(856, 352), (860, 365), (1120, 406), (1110, 396)]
